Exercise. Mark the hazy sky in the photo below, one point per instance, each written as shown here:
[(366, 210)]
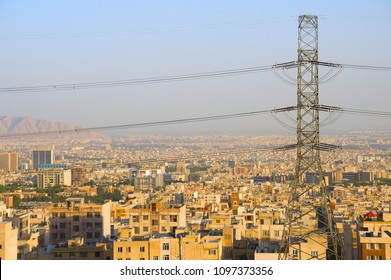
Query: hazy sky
[(58, 42)]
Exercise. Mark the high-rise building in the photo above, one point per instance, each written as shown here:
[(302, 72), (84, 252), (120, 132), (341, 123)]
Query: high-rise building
[(9, 161), (50, 175), (42, 157)]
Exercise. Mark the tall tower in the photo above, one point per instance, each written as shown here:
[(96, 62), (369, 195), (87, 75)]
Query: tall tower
[(309, 231), (42, 157)]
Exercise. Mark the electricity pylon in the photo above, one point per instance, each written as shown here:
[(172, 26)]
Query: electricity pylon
[(309, 229)]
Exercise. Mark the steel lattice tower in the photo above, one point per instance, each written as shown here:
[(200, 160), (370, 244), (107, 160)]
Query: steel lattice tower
[(309, 216)]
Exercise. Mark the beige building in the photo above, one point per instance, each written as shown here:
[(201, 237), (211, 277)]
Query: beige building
[(8, 241), (161, 247), (52, 175), (156, 218), (74, 218), (9, 161)]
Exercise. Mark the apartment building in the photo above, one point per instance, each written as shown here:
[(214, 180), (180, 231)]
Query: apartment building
[(74, 218)]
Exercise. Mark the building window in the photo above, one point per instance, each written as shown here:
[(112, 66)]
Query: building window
[(89, 214), (265, 233), (58, 255), (136, 230), (98, 225), (295, 253), (83, 254), (97, 215), (314, 253), (120, 259), (145, 217), (89, 234), (370, 246), (155, 258), (75, 228), (97, 234), (62, 235), (142, 249), (166, 257), (62, 225), (119, 249), (128, 250), (72, 254), (142, 259), (62, 215), (145, 229), (163, 217), (377, 246), (136, 219), (218, 221), (276, 233), (97, 254), (155, 222), (166, 246), (173, 218), (213, 252), (54, 235), (76, 218)]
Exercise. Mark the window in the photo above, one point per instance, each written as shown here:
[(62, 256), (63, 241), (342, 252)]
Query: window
[(97, 254), (136, 230), (119, 250), (142, 259), (89, 214), (97, 215), (1, 247), (58, 255), (265, 233), (377, 246), (145, 229), (155, 258), (142, 249), (62, 215), (76, 218), (128, 249), (54, 235), (163, 217), (89, 234), (276, 233), (173, 218), (213, 252), (98, 225), (62, 235), (314, 253), (370, 246), (83, 254), (62, 225), (295, 253), (75, 228), (72, 254), (145, 217), (54, 215), (89, 225), (218, 221), (166, 246), (155, 222), (136, 219), (97, 234), (120, 259), (166, 257)]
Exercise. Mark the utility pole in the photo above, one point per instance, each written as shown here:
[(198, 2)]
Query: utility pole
[(309, 228)]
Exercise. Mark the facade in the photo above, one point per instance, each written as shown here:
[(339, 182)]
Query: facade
[(9, 161), (8, 241), (156, 218), (78, 219), (50, 175), (42, 157)]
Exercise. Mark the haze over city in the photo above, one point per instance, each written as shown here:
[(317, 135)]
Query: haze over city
[(47, 43)]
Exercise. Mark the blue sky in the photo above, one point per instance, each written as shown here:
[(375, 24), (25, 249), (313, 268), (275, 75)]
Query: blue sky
[(54, 42)]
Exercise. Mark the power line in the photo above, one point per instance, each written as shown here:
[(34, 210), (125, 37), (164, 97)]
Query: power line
[(140, 125), (152, 80), (177, 78), (200, 119)]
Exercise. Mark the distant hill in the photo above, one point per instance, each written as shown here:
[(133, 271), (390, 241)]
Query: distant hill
[(15, 125)]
